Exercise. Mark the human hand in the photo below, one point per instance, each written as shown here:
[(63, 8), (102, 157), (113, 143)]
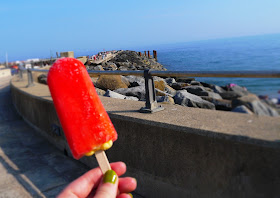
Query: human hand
[(92, 184)]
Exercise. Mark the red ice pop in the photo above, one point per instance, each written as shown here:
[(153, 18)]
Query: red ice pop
[(85, 122)]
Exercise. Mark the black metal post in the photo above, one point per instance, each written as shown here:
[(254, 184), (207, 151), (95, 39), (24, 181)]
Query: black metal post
[(151, 102), (30, 78)]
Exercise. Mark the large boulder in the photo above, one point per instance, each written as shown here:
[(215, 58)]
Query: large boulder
[(212, 95), (125, 80), (100, 92), (195, 89), (157, 78), (160, 85), (214, 88), (184, 80), (122, 68), (170, 90), (113, 94), (163, 89), (138, 92), (202, 91), (239, 90), (94, 80), (220, 104), (185, 98), (132, 67), (179, 85), (170, 81), (112, 67), (245, 100), (261, 108), (165, 99), (218, 89), (204, 84), (242, 109), (253, 103), (135, 81), (140, 67), (98, 68), (195, 83), (111, 82), (95, 67), (230, 95)]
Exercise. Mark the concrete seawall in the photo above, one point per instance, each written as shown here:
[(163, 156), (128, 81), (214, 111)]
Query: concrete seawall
[(179, 152)]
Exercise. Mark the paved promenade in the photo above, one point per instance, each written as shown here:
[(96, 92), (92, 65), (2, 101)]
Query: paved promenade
[(29, 165)]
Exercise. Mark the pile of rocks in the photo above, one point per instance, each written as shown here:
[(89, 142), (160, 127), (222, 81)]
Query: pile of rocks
[(187, 92), (182, 91), (128, 60)]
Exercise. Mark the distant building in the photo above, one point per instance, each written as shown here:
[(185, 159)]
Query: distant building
[(67, 54)]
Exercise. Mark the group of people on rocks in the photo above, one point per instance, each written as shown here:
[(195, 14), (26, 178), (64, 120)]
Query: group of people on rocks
[(102, 55)]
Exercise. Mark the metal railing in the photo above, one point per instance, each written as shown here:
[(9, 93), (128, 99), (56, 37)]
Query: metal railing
[(151, 103), (228, 74)]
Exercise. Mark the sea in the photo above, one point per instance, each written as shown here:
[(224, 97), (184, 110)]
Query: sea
[(251, 53)]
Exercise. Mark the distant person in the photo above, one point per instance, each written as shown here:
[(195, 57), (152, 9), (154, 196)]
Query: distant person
[(21, 66), (92, 184)]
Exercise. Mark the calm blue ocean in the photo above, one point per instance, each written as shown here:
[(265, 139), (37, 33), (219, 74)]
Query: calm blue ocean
[(251, 53), (254, 53)]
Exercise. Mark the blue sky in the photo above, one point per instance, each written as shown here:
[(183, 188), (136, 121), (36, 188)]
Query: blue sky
[(31, 29)]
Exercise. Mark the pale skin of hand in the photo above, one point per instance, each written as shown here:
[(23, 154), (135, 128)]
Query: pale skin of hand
[(85, 185)]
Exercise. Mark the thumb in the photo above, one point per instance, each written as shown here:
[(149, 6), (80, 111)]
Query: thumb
[(109, 186)]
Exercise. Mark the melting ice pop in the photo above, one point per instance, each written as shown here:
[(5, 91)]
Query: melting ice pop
[(86, 124)]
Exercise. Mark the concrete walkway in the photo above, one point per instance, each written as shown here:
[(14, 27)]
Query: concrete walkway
[(29, 165)]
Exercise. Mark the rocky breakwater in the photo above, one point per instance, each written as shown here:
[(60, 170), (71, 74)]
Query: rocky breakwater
[(188, 92), (177, 91), (127, 60)]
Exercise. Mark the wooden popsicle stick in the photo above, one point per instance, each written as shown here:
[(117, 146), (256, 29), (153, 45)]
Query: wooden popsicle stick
[(102, 161)]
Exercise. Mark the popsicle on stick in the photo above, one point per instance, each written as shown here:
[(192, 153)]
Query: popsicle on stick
[(86, 124)]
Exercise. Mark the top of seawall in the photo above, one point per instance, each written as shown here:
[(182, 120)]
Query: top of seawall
[(250, 129)]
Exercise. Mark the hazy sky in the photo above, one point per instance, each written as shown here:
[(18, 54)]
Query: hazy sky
[(31, 29)]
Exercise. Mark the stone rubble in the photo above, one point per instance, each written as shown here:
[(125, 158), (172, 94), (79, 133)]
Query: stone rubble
[(201, 95), (179, 90)]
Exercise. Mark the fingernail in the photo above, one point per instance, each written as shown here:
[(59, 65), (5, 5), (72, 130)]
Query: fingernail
[(135, 180), (110, 177), (130, 195)]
